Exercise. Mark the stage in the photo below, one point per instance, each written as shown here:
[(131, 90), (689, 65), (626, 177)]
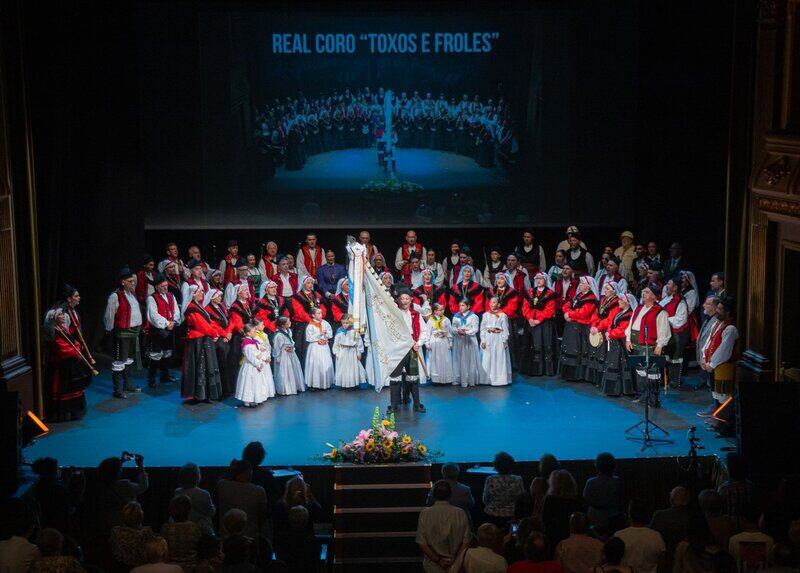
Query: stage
[(532, 416)]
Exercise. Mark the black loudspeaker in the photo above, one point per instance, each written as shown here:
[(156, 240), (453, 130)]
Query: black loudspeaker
[(768, 416)]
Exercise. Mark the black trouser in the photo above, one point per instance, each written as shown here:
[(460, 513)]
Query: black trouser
[(123, 359), (674, 350), (160, 346), (406, 375)]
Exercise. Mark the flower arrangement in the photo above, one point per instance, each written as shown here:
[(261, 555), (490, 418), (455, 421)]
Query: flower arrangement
[(380, 444), (391, 185)]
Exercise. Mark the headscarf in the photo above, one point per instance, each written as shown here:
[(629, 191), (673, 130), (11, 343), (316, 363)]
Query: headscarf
[(614, 286), (461, 274), (692, 280), (592, 284), (430, 272), (631, 300), (262, 291), (187, 300), (210, 293), (339, 284), (509, 282), (305, 279), (547, 282), (383, 274)]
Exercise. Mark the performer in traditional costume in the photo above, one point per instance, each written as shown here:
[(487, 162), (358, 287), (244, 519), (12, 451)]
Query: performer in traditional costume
[(607, 309), (144, 277), (437, 337), (254, 384), (494, 266), (466, 359), (402, 260), (510, 303), (163, 316), (495, 358), (270, 306), (240, 313), (379, 265), (428, 293), (678, 313), (387, 280), (435, 267), (348, 348), (648, 333), (268, 265), (519, 278), (451, 261), (617, 378), (554, 272), (467, 288), (301, 307), (539, 348), (611, 273), (319, 363), (195, 254), (366, 239), (531, 254), (310, 257), (720, 350), (242, 278), (228, 264), (578, 315), (691, 294), (287, 281), (406, 373), (339, 303), (566, 287), (201, 380), (172, 257), (197, 277), (212, 302), (123, 320), (68, 370), (578, 257), (289, 379)]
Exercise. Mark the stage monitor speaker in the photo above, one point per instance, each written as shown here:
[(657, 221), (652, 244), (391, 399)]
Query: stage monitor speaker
[(768, 416)]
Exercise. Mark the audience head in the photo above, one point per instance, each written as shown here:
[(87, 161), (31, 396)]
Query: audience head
[(710, 502), (442, 491), (295, 492), (579, 523), (562, 484), (503, 463), (189, 475), (236, 549), (45, 468), (450, 470), (298, 518), (180, 507), (488, 535), (750, 515), (109, 469), (638, 513), (155, 550), (50, 542), (234, 521), (536, 547), (717, 281), (679, 497), (605, 463), (548, 463), (613, 550), (254, 453), (539, 487), (132, 515), (241, 470)]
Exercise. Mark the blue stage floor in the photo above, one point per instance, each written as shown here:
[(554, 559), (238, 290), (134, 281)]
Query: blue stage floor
[(534, 415)]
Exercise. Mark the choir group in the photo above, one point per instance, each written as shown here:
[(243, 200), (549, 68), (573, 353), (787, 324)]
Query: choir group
[(258, 326)]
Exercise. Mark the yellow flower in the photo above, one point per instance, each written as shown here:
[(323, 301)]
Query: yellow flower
[(385, 423), (370, 445), (387, 443), (334, 453), (387, 454), (407, 439), (422, 449), (406, 450)]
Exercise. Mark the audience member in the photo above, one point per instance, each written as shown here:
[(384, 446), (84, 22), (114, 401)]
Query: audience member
[(530, 504), (484, 558), (461, 493), (297, 546), (209, 554), (548, 463), (203, 509), (236, 552), (17, 553), (238, 492), (255, 454), (603, 495), (181, 534), (695, 554), (537, 557), (501, 491), (111, 492), (514, 542), (579, 553), (720, 526), (442, 531), (613, 552), (297, 492), (751, 548), (671, 523), (644, 548), (57, 498), (51, 544), (155, 553), (559, 504), (127, 541), (737, 490)]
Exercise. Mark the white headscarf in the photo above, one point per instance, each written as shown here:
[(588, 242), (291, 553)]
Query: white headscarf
[(187, 300), (385, 273), (509, 282), (262, 291), (614, 286), (304, 280), (339, 284), (210, 293), (547, 282), (631, 300), (692, 280), (592, 284), (461, 274)]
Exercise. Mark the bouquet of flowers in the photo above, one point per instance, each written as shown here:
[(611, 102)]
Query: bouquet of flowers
[(380, 444), (391, 185)]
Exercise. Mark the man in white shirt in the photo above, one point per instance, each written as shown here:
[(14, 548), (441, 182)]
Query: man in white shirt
[(451, 260), (483, 559), (310, 257), (644, 547), (402, 258), (678, 315), (719, 350), (163, 315), (442, 531), (648, 332), (751, 548), (286, 280), (123, 319), (709, 323)]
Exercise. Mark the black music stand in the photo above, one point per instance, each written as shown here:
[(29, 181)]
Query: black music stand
[(650, 363)]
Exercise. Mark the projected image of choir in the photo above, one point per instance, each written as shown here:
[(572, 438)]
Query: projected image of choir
[(295, 128)]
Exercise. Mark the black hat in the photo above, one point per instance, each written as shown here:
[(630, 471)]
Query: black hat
[(653, 288), (125, 273), (194, 263), (616, 259), (404, 290), (160, 278)]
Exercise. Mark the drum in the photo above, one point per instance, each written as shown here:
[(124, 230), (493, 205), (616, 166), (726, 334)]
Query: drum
[(596, 339)]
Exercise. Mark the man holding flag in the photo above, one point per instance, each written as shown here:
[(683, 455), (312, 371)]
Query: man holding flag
[(406, 373)]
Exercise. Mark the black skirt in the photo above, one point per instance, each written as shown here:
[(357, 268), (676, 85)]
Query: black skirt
[(201, 380), (233, 363), (574, 351), (539, 350), (617, 379), (64, 396), (596, 359), (222, 349)]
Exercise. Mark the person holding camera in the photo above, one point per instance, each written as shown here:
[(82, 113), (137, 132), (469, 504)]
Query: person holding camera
[(113, 491)]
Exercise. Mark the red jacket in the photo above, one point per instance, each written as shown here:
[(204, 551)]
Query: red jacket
[(269, 313), (338, 304), (508, 299), (433, 293), (301, 306), (619, 324), (563, 297), (582, 309), (239, 316), (199, 323), (540, 306), (611, 309), (474, 293)]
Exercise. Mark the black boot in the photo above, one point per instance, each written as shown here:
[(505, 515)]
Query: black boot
[(129, 386), (116, 378), (151, 373), (166, 377)]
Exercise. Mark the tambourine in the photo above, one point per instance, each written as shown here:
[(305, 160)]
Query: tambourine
[(596, 339)]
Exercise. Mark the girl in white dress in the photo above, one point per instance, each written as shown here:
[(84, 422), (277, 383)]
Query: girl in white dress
[(348, 347), (495, 358), (465, 346), (438, 339), (254, 383), (319, 362), (289, 378)]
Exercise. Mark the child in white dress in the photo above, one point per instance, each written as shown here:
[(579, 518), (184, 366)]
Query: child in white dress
[(348, 347), (438, 340), (319, 362), (465, 346), (254, 383), (495, 358), (289, 378)]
